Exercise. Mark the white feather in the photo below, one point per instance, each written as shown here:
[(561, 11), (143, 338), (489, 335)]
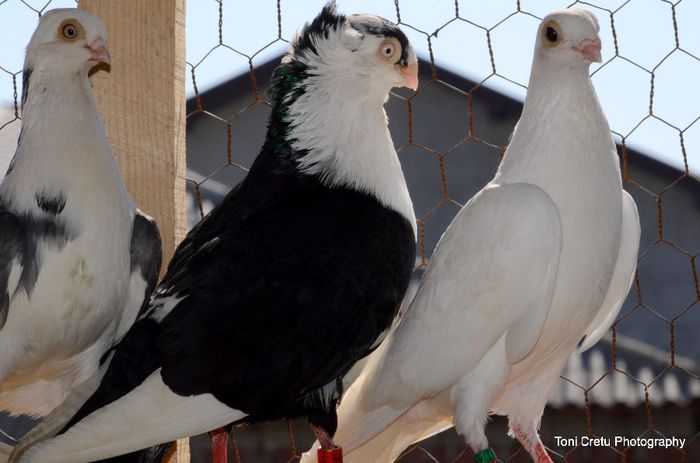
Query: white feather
[(134, 300), (53, 422), (623, 275), (150, 414), (355, 150)]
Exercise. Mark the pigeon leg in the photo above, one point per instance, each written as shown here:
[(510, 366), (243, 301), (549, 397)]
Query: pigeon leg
[(472, 398), (530, 440), (219, 445), (328, 452)]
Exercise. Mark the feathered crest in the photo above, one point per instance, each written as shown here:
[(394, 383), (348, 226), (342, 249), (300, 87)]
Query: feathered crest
[(326, 20)]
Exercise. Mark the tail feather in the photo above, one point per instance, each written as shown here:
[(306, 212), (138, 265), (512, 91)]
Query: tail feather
[(371, 434), (150, 414), (385, 442), (420, 422)]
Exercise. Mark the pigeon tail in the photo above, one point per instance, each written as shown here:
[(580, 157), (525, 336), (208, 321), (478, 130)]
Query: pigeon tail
[(148, 415), (386, 433)]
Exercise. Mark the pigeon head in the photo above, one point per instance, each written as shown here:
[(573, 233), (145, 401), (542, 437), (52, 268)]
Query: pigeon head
[(67, 41), (569, 38), (359, 51)]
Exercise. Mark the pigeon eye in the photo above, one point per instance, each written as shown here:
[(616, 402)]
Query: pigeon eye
[(388, 49), (70, 30), (551, 34)]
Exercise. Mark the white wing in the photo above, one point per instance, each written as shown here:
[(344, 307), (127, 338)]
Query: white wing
[(623, 275), (493, 272)]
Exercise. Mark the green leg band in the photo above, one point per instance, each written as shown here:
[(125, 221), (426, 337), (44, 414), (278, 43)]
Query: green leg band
[(485, 456)]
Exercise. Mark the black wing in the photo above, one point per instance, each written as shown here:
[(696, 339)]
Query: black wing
[(146, 253), (13, 250), (146, 259), (282, 294)]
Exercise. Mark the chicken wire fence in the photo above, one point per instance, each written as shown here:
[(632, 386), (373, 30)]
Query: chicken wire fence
[(643, 380)]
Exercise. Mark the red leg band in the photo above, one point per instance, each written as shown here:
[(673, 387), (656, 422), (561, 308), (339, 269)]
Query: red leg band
[(330, 456)]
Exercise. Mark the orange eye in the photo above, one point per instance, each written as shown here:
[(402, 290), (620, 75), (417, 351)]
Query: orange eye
[(70, 30)]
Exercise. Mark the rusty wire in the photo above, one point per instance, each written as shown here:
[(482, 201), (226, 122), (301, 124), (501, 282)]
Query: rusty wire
[(448, 447)]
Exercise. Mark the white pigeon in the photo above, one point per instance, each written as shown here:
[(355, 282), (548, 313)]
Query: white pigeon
[(541, 256), (77, 258)]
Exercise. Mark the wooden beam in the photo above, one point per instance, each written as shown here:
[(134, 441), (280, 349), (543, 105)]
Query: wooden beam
[(142, 102)]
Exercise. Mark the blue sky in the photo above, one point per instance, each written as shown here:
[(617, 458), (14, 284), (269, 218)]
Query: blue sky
[(645, 36)]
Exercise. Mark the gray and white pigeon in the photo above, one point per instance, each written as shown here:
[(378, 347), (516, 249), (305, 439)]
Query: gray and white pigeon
[(78, 260), (542, 256)]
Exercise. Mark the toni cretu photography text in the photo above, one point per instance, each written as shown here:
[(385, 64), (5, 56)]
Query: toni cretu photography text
[(619, 441)]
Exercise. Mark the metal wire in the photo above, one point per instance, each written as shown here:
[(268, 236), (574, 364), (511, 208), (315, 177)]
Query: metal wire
[(645, 418)]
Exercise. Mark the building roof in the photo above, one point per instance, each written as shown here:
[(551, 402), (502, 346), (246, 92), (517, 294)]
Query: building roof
[(638, 369)]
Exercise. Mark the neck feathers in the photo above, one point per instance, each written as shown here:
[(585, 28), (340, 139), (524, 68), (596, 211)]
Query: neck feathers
[(562, 128), (63, 144), (341, 139)]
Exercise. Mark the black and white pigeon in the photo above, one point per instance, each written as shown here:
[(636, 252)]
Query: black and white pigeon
[(542, 256), (293, 278), (78, 260)]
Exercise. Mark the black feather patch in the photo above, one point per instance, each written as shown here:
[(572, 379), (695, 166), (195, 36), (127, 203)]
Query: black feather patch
[(52, 204), (382, 28), (326, 20), (13, 246), (26, 74), (146, 253), (287, 86), (48, 230)]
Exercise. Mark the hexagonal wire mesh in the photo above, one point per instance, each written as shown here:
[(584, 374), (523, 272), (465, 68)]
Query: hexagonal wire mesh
[(650, 45)]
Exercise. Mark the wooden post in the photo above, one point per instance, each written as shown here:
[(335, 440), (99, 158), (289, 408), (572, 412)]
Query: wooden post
[(142, 102)]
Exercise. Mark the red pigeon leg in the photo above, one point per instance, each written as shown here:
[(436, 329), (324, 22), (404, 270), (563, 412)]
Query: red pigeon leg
[(328, 452), (530, 440), (219, 445)]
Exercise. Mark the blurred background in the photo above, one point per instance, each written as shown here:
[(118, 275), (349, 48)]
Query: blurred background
[(450, 135)]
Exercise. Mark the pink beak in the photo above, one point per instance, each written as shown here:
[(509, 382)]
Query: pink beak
[(410, 76), (590, 49), (99, 52)]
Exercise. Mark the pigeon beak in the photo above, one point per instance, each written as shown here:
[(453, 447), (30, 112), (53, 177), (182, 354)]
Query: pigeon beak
[(99, 52), (589, 49), (409, 75)]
